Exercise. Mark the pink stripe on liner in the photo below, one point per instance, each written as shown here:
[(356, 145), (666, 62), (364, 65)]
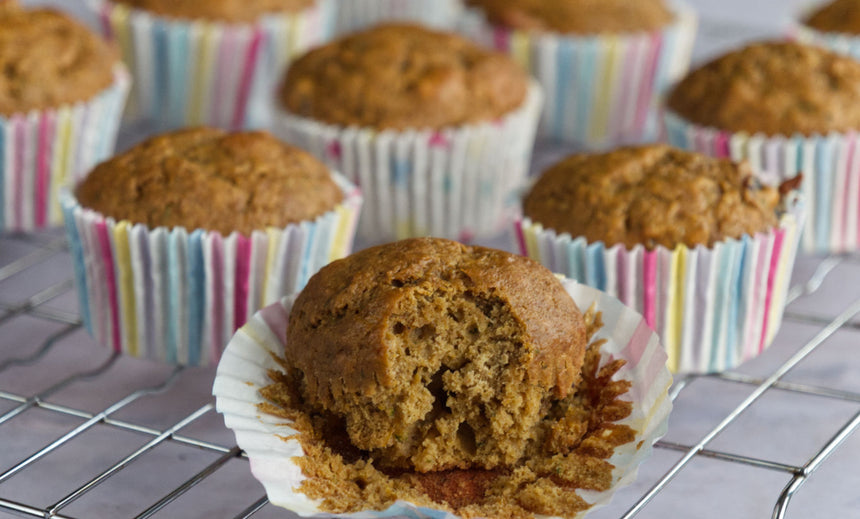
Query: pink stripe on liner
[(19, 146), (721, 145), (104, 18), (627, 66), (110, 278), (645, 94), (649, 291), (852, 139), (217, 283), (247, 76), (43, 168), (756, 282), (243, 272), (521, 238), (771, 279), (638, 342), (501, 39)]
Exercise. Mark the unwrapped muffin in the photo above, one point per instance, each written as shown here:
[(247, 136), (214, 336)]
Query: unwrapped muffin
[(787, 108), (213, 62), (61, 95), (436, 130), (602, 64), (696, 244), (204, 227)]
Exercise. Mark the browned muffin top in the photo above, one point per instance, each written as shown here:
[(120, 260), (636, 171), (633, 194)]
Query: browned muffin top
[(651, 195), (577, 16), (777, 88), (436, 355), (203, 178), (403, 76), (219, 10), (48, 60), (837, 16)]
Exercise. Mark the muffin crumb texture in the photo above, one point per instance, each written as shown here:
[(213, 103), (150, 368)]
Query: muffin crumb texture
[(204, 178), (577, 16), (652, 195), (218, 10), (48, 60), (839, 16), (403, 77), (450, 376), (776, 88)]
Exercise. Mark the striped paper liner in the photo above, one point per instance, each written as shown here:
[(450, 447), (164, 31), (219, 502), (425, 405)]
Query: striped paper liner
[(601, 90), (352, 15), (712, 307), (454, 183), (44, 150), (830, 165), (844, 43), (203, 72), (248, 357), (176, 295)]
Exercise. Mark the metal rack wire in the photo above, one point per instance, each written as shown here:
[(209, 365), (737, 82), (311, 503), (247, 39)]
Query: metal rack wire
[(42, 248)]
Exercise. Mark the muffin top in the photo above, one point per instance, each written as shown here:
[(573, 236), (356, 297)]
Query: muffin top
[(49, 60), (577, 16), (403, 76), (652, 195), (776, 88), (218, 10), (203, 178), (436, 355), (837, 16)]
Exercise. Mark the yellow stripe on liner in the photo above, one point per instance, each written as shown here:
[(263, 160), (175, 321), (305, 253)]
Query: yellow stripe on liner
[(675, 314), (125, 283), (274, 239), (338, 246), (530, 233), (600, 121), (520, 43), (202, 75)]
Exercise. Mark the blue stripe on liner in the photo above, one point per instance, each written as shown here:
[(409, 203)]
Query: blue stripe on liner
[(824, 163), (563, 80), (196, 295), (177, 72), (676, 132), (159, 37), (4, 127), (310, 244), (739, 297), (723, 290), (584, 93), (76, 249), (174, 270), (595, 269), (325, 227), (575, 254)]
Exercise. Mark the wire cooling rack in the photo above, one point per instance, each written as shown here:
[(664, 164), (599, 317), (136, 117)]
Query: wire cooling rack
[(88, 433)]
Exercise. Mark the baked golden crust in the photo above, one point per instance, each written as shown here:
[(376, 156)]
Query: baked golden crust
[(203, 178), (651, 195), (838, 16), (49, 60), (777, 88), (577, 16), (218, 10), (436, 355), (400, 77)]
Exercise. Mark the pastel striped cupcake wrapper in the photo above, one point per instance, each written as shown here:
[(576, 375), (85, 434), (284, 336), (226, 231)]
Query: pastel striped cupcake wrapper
[(203, 72), (840, 42), (248, 357), (44, 150), (712, 307), (601, 90), (177, 296), (830, 165), (454, 183), (352, 15)]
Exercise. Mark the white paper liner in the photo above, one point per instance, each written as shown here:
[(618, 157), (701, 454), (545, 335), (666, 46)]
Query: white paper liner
[(712, 307), (248, 357), (44, 150), (601, 90), (454, 183), (177, 296), (830, 165), (192, 72), (352, 15)]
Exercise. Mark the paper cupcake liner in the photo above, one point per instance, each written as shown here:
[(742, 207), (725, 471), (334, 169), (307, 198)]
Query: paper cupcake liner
[(600, 90), (203, 72), (176, 295), (712, 307), (248, 357), (43, 150), (454, 183), (836, 41), (830, 165), (351, 15)]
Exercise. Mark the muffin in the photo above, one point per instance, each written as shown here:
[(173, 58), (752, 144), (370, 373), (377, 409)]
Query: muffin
[(436, 130), (353, 15), (425, 373), (211, 62), (694, 243), (195, 230), (787, 107), (835, 25), (602, 65), (61, 96)]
